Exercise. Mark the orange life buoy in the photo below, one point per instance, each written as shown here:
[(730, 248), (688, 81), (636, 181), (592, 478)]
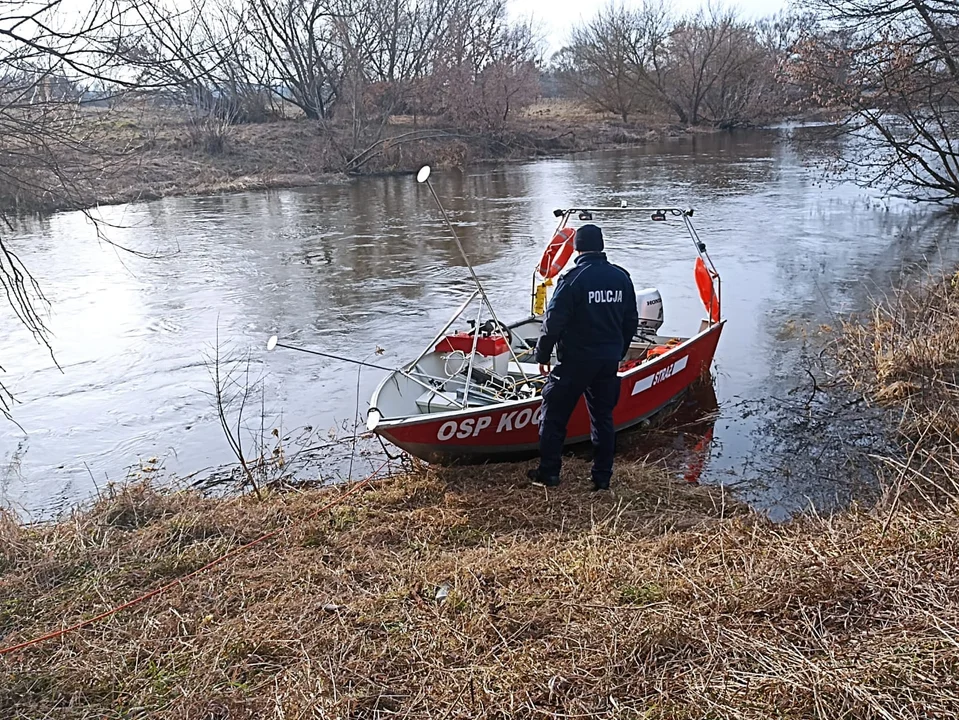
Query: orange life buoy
[(707, 291), (557, 253)]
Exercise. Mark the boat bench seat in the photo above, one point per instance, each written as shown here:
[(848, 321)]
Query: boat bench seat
[(433, 401), (517, 369)]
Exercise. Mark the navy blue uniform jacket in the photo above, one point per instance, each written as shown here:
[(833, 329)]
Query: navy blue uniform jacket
[(592, 315)]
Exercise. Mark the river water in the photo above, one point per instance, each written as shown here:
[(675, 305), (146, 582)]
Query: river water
[(366, 266)]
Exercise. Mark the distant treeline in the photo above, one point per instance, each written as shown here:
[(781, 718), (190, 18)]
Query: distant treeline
[(707, 68), (251, 60), (352, 65)]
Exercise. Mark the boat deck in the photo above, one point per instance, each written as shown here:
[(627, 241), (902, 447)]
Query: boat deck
[(522, 378)]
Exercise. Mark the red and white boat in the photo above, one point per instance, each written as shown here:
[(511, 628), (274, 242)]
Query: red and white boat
[(475, 394)]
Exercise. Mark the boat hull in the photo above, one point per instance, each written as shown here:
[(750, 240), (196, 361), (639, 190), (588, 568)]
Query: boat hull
[(511, 430)]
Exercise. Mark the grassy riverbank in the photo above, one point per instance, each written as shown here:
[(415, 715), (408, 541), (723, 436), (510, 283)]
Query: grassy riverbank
[(136, 153), (466, 593)]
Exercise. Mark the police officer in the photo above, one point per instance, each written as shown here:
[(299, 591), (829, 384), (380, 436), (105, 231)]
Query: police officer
[(591, 319)]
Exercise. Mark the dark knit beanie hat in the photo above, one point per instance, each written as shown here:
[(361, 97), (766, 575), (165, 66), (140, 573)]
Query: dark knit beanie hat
[(589, 238)]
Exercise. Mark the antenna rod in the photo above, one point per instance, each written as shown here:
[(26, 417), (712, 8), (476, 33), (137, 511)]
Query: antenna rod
[(424, 176), (273, 343)]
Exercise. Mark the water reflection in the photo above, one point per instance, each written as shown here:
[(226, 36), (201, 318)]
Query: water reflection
[(682, 440), (349, 267)]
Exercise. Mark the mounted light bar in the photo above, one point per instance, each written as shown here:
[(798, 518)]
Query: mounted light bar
[(674, 211)]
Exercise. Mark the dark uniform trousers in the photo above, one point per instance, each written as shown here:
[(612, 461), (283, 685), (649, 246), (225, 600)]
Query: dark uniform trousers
[(589, 322), (567, 383)]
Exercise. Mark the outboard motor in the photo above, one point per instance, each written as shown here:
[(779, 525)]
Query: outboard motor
[(650, 306)]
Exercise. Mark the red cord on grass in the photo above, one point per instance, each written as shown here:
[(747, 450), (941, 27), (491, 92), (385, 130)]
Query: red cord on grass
[(172, 583)]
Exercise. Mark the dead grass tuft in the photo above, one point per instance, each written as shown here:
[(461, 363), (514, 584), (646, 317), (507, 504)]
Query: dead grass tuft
[(11, 539), (906, 357)]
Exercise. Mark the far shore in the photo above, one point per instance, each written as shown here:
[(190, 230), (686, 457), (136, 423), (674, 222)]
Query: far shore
[(144, 154)]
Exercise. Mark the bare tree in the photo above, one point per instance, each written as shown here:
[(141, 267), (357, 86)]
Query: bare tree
[(198, 57), (47, 158), (895, 67), (782, 36), (298, 39), (396, 39), (610, 59), (709, 67), (708, 54), (396, 43), (483, 68), (480, 96), (747, 88)]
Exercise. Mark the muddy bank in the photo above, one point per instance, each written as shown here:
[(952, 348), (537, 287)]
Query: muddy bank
[(135, 153), (468, 593)]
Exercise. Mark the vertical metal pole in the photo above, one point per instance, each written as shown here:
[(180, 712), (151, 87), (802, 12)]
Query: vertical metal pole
[(446, 327), (469, 372), (459, 245), (532, 298)]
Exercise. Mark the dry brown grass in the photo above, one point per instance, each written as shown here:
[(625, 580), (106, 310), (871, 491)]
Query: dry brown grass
[(659, 601), (906, 357), (153, 155), (11, 540)]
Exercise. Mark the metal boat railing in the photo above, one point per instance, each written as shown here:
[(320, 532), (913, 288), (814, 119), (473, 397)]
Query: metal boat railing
[(657, 214)]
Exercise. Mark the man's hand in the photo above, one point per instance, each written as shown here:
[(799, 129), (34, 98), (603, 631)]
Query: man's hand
[(544, 369)]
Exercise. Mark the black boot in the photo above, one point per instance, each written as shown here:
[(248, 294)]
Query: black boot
[(600, 484), (539, 480)]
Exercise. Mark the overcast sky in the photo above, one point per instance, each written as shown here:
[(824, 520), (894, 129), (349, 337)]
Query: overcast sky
[(556, 17)]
